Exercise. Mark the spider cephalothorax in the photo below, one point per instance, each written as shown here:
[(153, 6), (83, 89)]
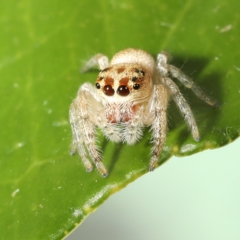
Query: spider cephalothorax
[(131, 92)]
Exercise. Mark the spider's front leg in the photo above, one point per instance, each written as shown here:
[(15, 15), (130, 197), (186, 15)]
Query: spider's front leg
[(159, 124), (83, 128)]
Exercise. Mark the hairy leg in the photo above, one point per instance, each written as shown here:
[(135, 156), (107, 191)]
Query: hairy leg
[(159, 124), (183, 107), (99, 60), (187, 82), (84, 132), (164, 68)]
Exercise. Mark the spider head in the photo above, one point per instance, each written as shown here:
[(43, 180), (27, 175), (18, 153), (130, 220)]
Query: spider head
[(124, 81)]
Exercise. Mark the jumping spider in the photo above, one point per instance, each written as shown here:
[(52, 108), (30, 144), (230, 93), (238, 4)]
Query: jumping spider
[(132, 91)]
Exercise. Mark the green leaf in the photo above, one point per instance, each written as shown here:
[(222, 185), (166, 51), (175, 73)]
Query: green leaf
[(45, 193)]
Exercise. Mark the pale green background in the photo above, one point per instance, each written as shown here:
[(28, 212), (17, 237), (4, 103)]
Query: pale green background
[(190, 198)]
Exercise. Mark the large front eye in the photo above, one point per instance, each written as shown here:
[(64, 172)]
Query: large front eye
[(108, 90), (123, 90)]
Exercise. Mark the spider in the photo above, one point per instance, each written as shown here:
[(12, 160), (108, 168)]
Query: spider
[(132, 91)]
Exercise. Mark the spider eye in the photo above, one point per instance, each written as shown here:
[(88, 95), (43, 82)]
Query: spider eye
[(108, 90), (97, 85), (134, 79), (123, 90), (136, 86)]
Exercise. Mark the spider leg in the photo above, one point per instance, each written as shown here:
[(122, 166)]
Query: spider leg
[(159, 124), (187, 82), (99, 60), (83, 129), (183, 107), (164, 68), (77, 143)]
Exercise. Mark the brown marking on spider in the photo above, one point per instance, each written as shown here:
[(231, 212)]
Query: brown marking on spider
[(124, 81), (121, 69), (109, 81)]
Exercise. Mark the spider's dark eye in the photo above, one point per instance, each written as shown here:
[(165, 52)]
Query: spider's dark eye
[(123, 90), (108, 90), (134, 79), (97, 85), (136, 86)]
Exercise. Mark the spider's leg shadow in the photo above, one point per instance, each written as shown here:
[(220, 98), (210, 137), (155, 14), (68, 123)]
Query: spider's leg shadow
[(117, 148)]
